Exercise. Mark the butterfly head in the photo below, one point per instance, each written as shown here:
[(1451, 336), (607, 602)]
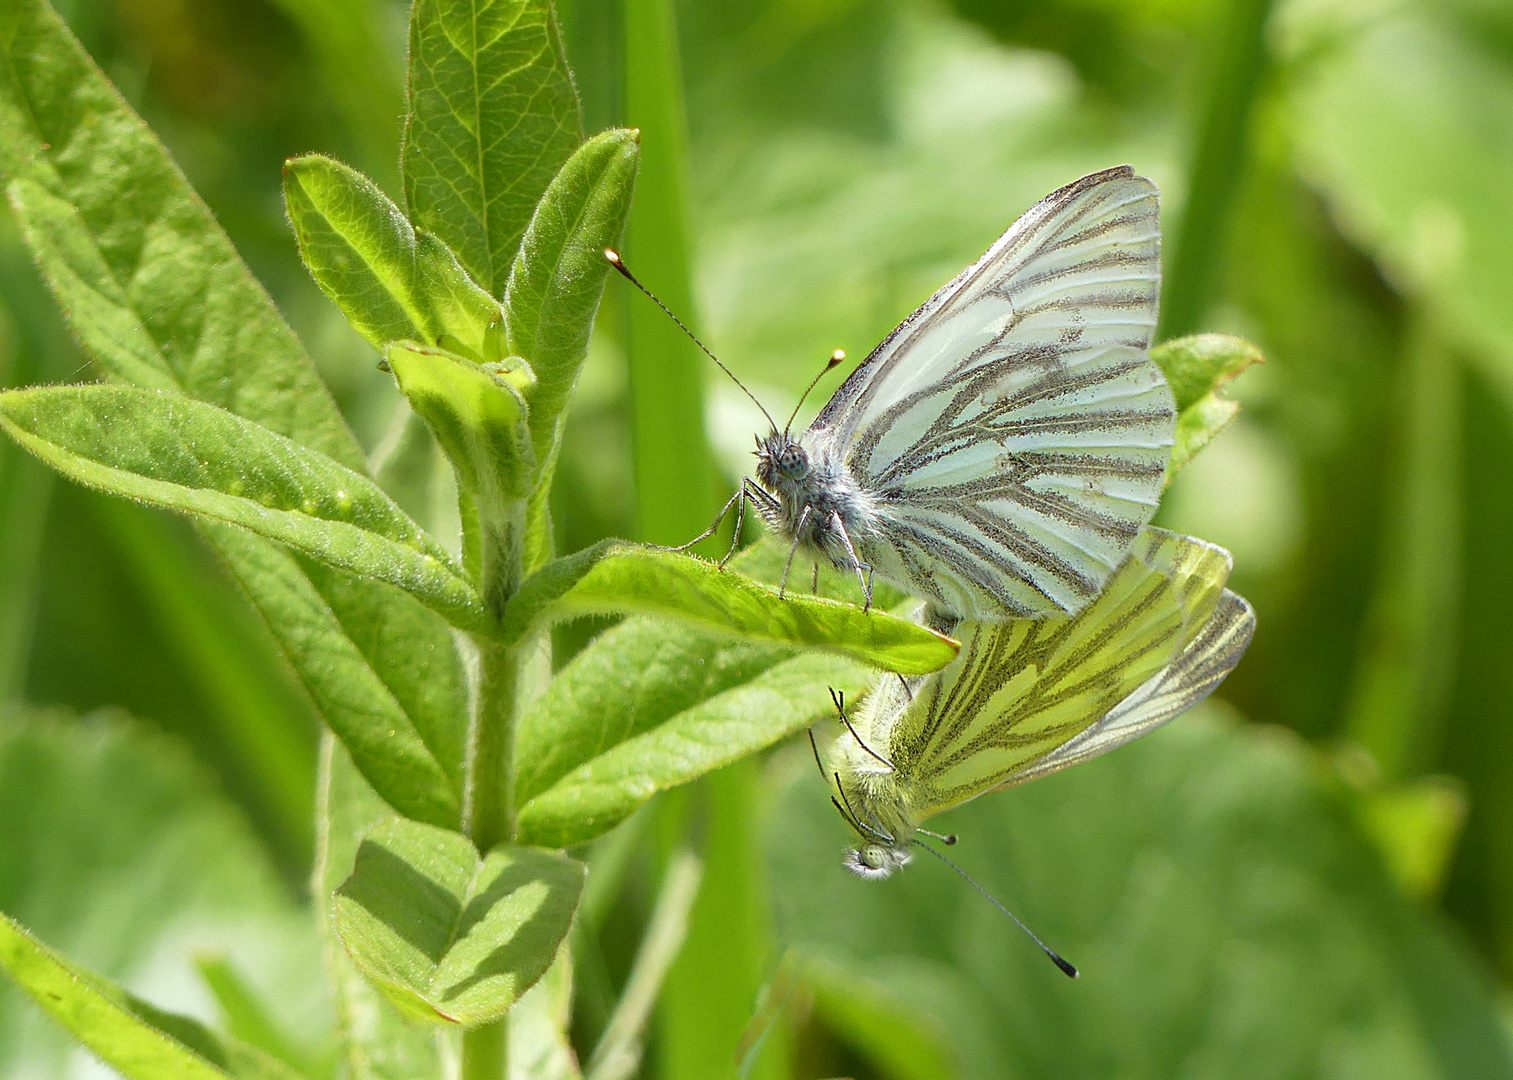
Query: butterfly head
[(876, 860), (782, 464)]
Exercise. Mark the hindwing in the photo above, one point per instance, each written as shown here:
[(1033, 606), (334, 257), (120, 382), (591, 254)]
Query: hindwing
[(1021, 689)]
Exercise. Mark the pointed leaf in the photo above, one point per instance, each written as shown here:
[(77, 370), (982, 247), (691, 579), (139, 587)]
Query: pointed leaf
[(1198, 365), (450, 936), (391, 281), (137, 1040), (493, 115), (615, 577), (160, 299), (186, 455), (558, 277)]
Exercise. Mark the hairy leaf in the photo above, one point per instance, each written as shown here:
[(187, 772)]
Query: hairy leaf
[(758, 712), (391, 281), (139, 1041), (558, 277), (615, 577), (160, 299), (450, 936), (1196, 426), (493, 115), (186, 455), (477, 415)]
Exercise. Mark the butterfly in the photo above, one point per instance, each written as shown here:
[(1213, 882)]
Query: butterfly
[(1029, 697), (1001, 450)]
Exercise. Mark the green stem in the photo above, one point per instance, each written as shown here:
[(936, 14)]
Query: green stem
[(491, 803), (1217, 162), (485, 1051)]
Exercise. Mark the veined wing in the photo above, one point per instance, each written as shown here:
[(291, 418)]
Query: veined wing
[(1021, 689), (1013, 431), (1195, 674)]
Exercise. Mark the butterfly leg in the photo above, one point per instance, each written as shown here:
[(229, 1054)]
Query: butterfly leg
[(863, 570), (814, 580), (798, 531), (839, 700), (714, 525)]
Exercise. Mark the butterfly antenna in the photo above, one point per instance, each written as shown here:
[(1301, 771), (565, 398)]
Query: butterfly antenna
[(838, 356), (949, 839), (861, 826), (839, 699), (613, 257), (1067, 969), (816, 748)]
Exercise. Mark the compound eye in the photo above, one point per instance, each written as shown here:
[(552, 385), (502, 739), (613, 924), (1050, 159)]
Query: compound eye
[(871, 861)]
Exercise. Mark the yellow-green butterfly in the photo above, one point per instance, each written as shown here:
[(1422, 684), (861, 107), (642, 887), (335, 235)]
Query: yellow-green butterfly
[(1030, 697)]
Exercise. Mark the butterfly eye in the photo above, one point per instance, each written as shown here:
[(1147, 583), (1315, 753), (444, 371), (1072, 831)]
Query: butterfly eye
[(871, 861)]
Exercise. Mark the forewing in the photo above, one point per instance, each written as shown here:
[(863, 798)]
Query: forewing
[(1013, 432), (1197, 672), (1021, 689)]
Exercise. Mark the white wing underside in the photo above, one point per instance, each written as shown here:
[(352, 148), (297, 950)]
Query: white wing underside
[(1195, 674), (1013, 433)]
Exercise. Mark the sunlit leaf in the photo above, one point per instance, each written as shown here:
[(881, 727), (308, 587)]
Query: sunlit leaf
[(615, 577), (493, 115), (186, 455), (1196, 366), (391, 281), (449, 936), (140, 1042)]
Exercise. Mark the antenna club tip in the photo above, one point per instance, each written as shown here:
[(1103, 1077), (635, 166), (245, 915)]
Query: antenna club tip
[(1066, 968), (612, 256), (837, 356), (950, 839)]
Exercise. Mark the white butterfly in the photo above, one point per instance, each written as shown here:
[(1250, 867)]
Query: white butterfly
[(1001, 450), (1026, 698)]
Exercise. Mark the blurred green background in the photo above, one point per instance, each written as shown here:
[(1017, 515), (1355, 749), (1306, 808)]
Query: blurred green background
[(1313, 877)]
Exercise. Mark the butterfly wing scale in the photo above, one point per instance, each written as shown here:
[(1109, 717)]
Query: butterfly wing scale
[(1021, 689), (1013, 433)]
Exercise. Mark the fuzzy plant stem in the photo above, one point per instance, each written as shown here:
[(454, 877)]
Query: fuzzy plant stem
[(490, 815)]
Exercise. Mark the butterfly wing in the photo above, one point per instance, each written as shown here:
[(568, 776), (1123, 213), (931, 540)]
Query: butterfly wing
[(1197, 672), (1020, 690), (1013, 433)]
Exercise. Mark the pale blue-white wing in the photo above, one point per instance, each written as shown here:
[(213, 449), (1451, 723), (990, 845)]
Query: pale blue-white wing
[(1197, 672), (1013, 433)]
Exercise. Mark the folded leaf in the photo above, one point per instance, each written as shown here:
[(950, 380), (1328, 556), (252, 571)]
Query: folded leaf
[(615, 577), (1196, 426), (601, 793), (478, 416), (391, 281), (186, 455), (492, 116), (558, 277), (1198, 365), (447, 935), (137, 1040)]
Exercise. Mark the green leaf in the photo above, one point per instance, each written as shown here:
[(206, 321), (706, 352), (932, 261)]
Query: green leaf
[(448, 935), (1196, 426), (1209, 883), (558, 277), (477, 415), (632, 746), (391, 281), (615, 577), (189, 456), (119, 852), (160, 299), (492, 117), (131, 1036), (377, 1042), (1197, 366)]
